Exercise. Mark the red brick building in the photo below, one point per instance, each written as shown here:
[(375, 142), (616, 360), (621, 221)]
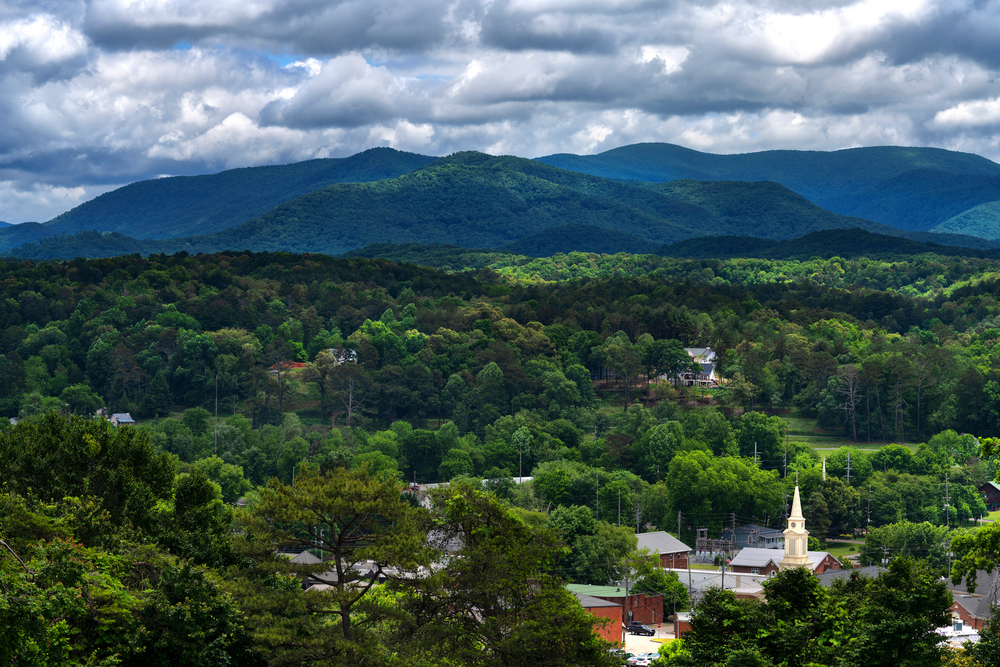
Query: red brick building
[(614, 630), (646, 609), (672, 552), (766, 561)]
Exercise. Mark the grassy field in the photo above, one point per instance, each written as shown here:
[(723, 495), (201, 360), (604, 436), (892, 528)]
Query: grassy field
[(807, 431), (842, 550)]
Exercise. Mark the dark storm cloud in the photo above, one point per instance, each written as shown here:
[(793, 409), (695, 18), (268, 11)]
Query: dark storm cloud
[(309, 27)]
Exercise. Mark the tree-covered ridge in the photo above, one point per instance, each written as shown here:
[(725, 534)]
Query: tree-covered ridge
[(480, 201), (904, 187), (189, 205)]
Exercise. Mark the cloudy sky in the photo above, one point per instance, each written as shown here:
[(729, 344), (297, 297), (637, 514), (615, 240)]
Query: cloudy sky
[(99, 93)]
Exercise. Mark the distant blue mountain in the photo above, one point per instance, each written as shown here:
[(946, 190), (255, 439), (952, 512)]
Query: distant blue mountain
[(914, 189)]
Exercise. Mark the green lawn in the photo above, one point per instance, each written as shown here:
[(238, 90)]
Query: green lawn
[(841, 550)]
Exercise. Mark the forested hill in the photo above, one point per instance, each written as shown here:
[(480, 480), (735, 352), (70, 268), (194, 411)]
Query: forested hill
[(475, 200), (190, 205), (908, 188), (847, 243)]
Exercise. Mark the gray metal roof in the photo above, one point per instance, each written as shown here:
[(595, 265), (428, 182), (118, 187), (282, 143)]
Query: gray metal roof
[(306, 558), (590, 601), (754, 557), (662, 542), (827, 578)]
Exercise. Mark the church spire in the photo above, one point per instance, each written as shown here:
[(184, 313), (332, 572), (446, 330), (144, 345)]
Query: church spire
[(797, 508), (796, 537)]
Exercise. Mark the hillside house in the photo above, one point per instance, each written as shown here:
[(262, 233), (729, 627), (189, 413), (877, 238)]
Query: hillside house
[(991, 494), (121, 419)]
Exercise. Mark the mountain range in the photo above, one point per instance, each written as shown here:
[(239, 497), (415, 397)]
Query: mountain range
[(633, 199)]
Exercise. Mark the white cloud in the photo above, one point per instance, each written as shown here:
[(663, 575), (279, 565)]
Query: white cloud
[(976, 113), (94, 94), (39, 202)]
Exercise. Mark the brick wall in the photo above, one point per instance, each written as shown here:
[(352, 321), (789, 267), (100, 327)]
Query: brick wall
[(613, 630)]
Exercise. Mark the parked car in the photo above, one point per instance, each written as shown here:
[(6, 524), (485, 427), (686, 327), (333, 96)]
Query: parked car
[(641, 660), (621, 655), (638, 628)]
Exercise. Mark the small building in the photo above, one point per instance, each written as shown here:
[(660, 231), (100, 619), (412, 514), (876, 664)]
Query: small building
[(641, 607), (974, 609), (600, 608), (682, 624), (756, 536), (752, 560), (991, 494), (672, 552), (121, 419), (702, 370)]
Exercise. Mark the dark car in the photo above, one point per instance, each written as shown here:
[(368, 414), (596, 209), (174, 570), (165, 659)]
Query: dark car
[(638, 628)]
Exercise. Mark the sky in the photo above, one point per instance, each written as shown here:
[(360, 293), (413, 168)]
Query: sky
[(100, 93)]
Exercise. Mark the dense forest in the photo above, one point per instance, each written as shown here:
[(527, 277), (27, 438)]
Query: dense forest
[(299, 382)]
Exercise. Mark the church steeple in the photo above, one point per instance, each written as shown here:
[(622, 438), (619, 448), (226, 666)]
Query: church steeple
[(796, 537)]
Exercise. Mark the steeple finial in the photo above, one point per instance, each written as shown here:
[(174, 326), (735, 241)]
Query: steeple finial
[(796, 506)]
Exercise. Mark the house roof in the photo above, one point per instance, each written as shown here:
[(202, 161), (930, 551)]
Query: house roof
[(589, 601), (977, 606), (122, 417), (827, 578), (756, 557), (995, 485), (597, 591), (662, 542), (305, 558), (983, 582), (705, 353)]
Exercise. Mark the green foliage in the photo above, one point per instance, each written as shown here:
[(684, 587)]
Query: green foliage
[(499, 583), (54, 457), (889, 620)]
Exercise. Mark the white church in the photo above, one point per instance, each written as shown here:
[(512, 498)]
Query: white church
[(765, 561)]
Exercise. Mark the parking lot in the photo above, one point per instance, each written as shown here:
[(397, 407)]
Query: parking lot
[(640, 644)]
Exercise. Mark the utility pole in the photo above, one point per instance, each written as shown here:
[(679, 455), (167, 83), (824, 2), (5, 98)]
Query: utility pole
[(869, 508), (947, 505), (216, 450), (755, 451), (678, 524), (885, 555), (848, 475), (620, 508), (597, 477), (638, 512)]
